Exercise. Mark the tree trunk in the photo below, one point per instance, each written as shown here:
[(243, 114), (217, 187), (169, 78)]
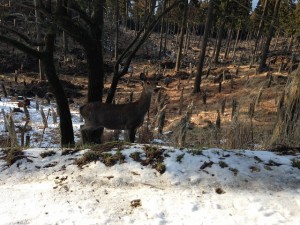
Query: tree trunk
[(262, 64), (126, 14), (259, 32), (291, 42), (166, 37), (187, 39), (95, 72), (117, 28), (38, 38), (163, 24), (181, 38), (66, 128), (227, 49), (235, 43), (208, 23), (276, 40), (65, 43), (219, 42)]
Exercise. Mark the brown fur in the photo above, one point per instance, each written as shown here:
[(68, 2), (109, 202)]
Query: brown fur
[(128, 116)]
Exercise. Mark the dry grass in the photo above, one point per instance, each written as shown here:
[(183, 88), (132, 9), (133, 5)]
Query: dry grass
[(202, 131)]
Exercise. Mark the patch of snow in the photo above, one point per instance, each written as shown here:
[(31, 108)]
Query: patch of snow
[(32, 193), (211, 186)]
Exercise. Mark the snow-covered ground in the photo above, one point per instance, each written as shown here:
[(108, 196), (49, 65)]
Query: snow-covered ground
[(215, 186), (38, 137)]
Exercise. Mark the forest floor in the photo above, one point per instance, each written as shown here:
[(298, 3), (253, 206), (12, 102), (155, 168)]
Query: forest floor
[(243, 86), (203, 183)]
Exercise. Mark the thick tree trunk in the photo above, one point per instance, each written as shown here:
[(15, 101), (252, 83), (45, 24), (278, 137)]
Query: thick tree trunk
[(208, 23), (66, 128), (262, 64), (95, 72), (95, 87)]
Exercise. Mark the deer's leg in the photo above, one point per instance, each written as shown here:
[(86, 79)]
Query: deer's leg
[(91, 135), (132, 135)]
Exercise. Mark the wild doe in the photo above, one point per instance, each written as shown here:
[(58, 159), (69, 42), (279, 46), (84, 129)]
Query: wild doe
[(129, 116)]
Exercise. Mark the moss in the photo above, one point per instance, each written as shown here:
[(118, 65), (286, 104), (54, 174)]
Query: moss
[(119, 157), (88, 157), (136, 156), (108, 159), (101, 152), (150, 151)]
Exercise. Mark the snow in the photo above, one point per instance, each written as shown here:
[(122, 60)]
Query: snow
[(50, 137), (211, 186)]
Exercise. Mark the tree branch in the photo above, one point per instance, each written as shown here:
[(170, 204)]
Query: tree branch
[(21, 46), (22, 36)]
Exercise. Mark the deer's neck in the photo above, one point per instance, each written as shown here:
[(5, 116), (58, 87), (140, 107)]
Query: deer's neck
[(145, 100)]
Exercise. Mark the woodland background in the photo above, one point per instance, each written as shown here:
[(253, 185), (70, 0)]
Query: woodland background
[(226, 70)]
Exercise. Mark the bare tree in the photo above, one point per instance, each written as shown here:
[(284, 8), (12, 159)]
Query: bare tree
[(181, 38), (208, 24), (126, 57), (260, 30), (46, 56), (263, 59)]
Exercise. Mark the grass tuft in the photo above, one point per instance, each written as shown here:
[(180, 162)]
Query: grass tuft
[(160, 167), (136, 156), (90, 156)]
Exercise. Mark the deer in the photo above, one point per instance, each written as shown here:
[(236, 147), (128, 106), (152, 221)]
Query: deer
[(127, 116)]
